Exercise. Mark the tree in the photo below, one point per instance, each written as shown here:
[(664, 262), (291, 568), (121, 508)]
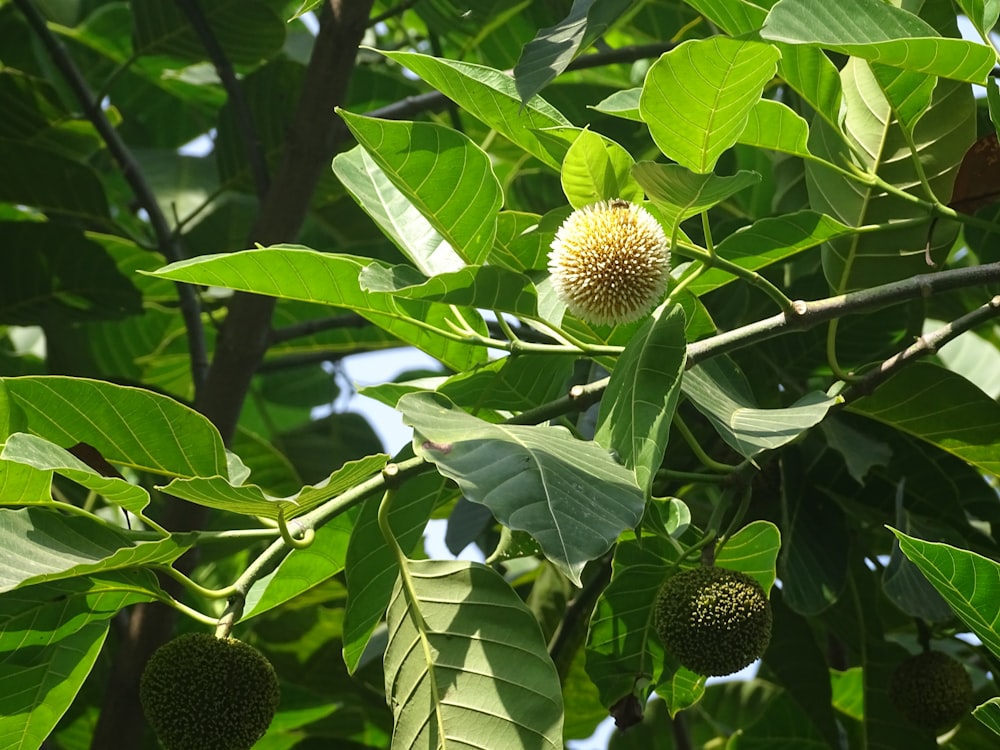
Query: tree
[(823, 178)]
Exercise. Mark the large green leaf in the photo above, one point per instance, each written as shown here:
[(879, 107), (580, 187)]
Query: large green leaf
[(247, 30), (395, 215), (982, 13), (569, 494), (768, 241), (718, 390), (251, 500), (129, 426), (989, 714), (878, 32), (639, 403), (46, 456), (697, 97), (298, 273), (444, 175), (60, 274), (39, 544), (50, 182), (735, 17), (371, 567), (486, 287), (553, 48), (965, 423), (50, 636), (466, 665), (303, 569), (490, 96), (681, 193), (968, 582), (776, 126)]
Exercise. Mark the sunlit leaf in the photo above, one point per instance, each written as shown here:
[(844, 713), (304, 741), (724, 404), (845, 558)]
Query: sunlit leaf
[(697, 97), (878, 32), (442, 173), (597, 169), (681, 193)]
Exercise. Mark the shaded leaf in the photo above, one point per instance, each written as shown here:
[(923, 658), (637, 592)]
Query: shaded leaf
[(466, 664), (554, 47), (567, 493), (50, 182), (697, 97), (718, 390), (38, 545), (966, 423), (681, 193), (639, 403), (989, 714), (250, 500)]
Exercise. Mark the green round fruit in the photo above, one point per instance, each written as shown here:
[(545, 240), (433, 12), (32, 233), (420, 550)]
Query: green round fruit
[(931, 690), (714, 621), (200, 692)]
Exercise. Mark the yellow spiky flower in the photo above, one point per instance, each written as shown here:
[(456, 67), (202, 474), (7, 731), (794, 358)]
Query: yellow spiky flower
[(610, 262)]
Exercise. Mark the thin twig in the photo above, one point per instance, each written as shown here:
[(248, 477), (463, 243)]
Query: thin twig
[(396, 10), (316, 325), (167, 242), (252, 145), (929, 343)]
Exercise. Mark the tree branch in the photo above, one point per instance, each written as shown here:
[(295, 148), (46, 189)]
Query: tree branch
[(252, 146), (167, 242), (243, 338)]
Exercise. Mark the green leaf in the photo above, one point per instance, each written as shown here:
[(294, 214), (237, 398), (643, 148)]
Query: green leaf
[(624, 655), (878, 32), (251, 500), (681, 193), (485, 287), (129, 426), (296, 272), (394, 214), (814, 553), (596, 169), (39, 544), (782, 723), (638, 405), (697, 97), (848, 692), (47, 456), (50, 637), (21, 484), (753, 550), (248, 31), (371, 568), (624, 104), (989, 714), (442, 173), (982, 13), (967, 581), (965, 424), (814, 76), (303, 569), (777, 127), (50, 182), (568, 494), (491, 97), (718, 390), (735, 17), (768, 241), (519, 245), (466, 664), (554, 47), (61, 274)]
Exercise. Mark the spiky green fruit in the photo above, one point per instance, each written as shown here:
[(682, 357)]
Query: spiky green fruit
[(931, 690), (200, 692), (714, 621)]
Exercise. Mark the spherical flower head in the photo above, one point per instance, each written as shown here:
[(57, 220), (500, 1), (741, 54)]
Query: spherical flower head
[(610, 262), (932, 690), (200, 692)]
